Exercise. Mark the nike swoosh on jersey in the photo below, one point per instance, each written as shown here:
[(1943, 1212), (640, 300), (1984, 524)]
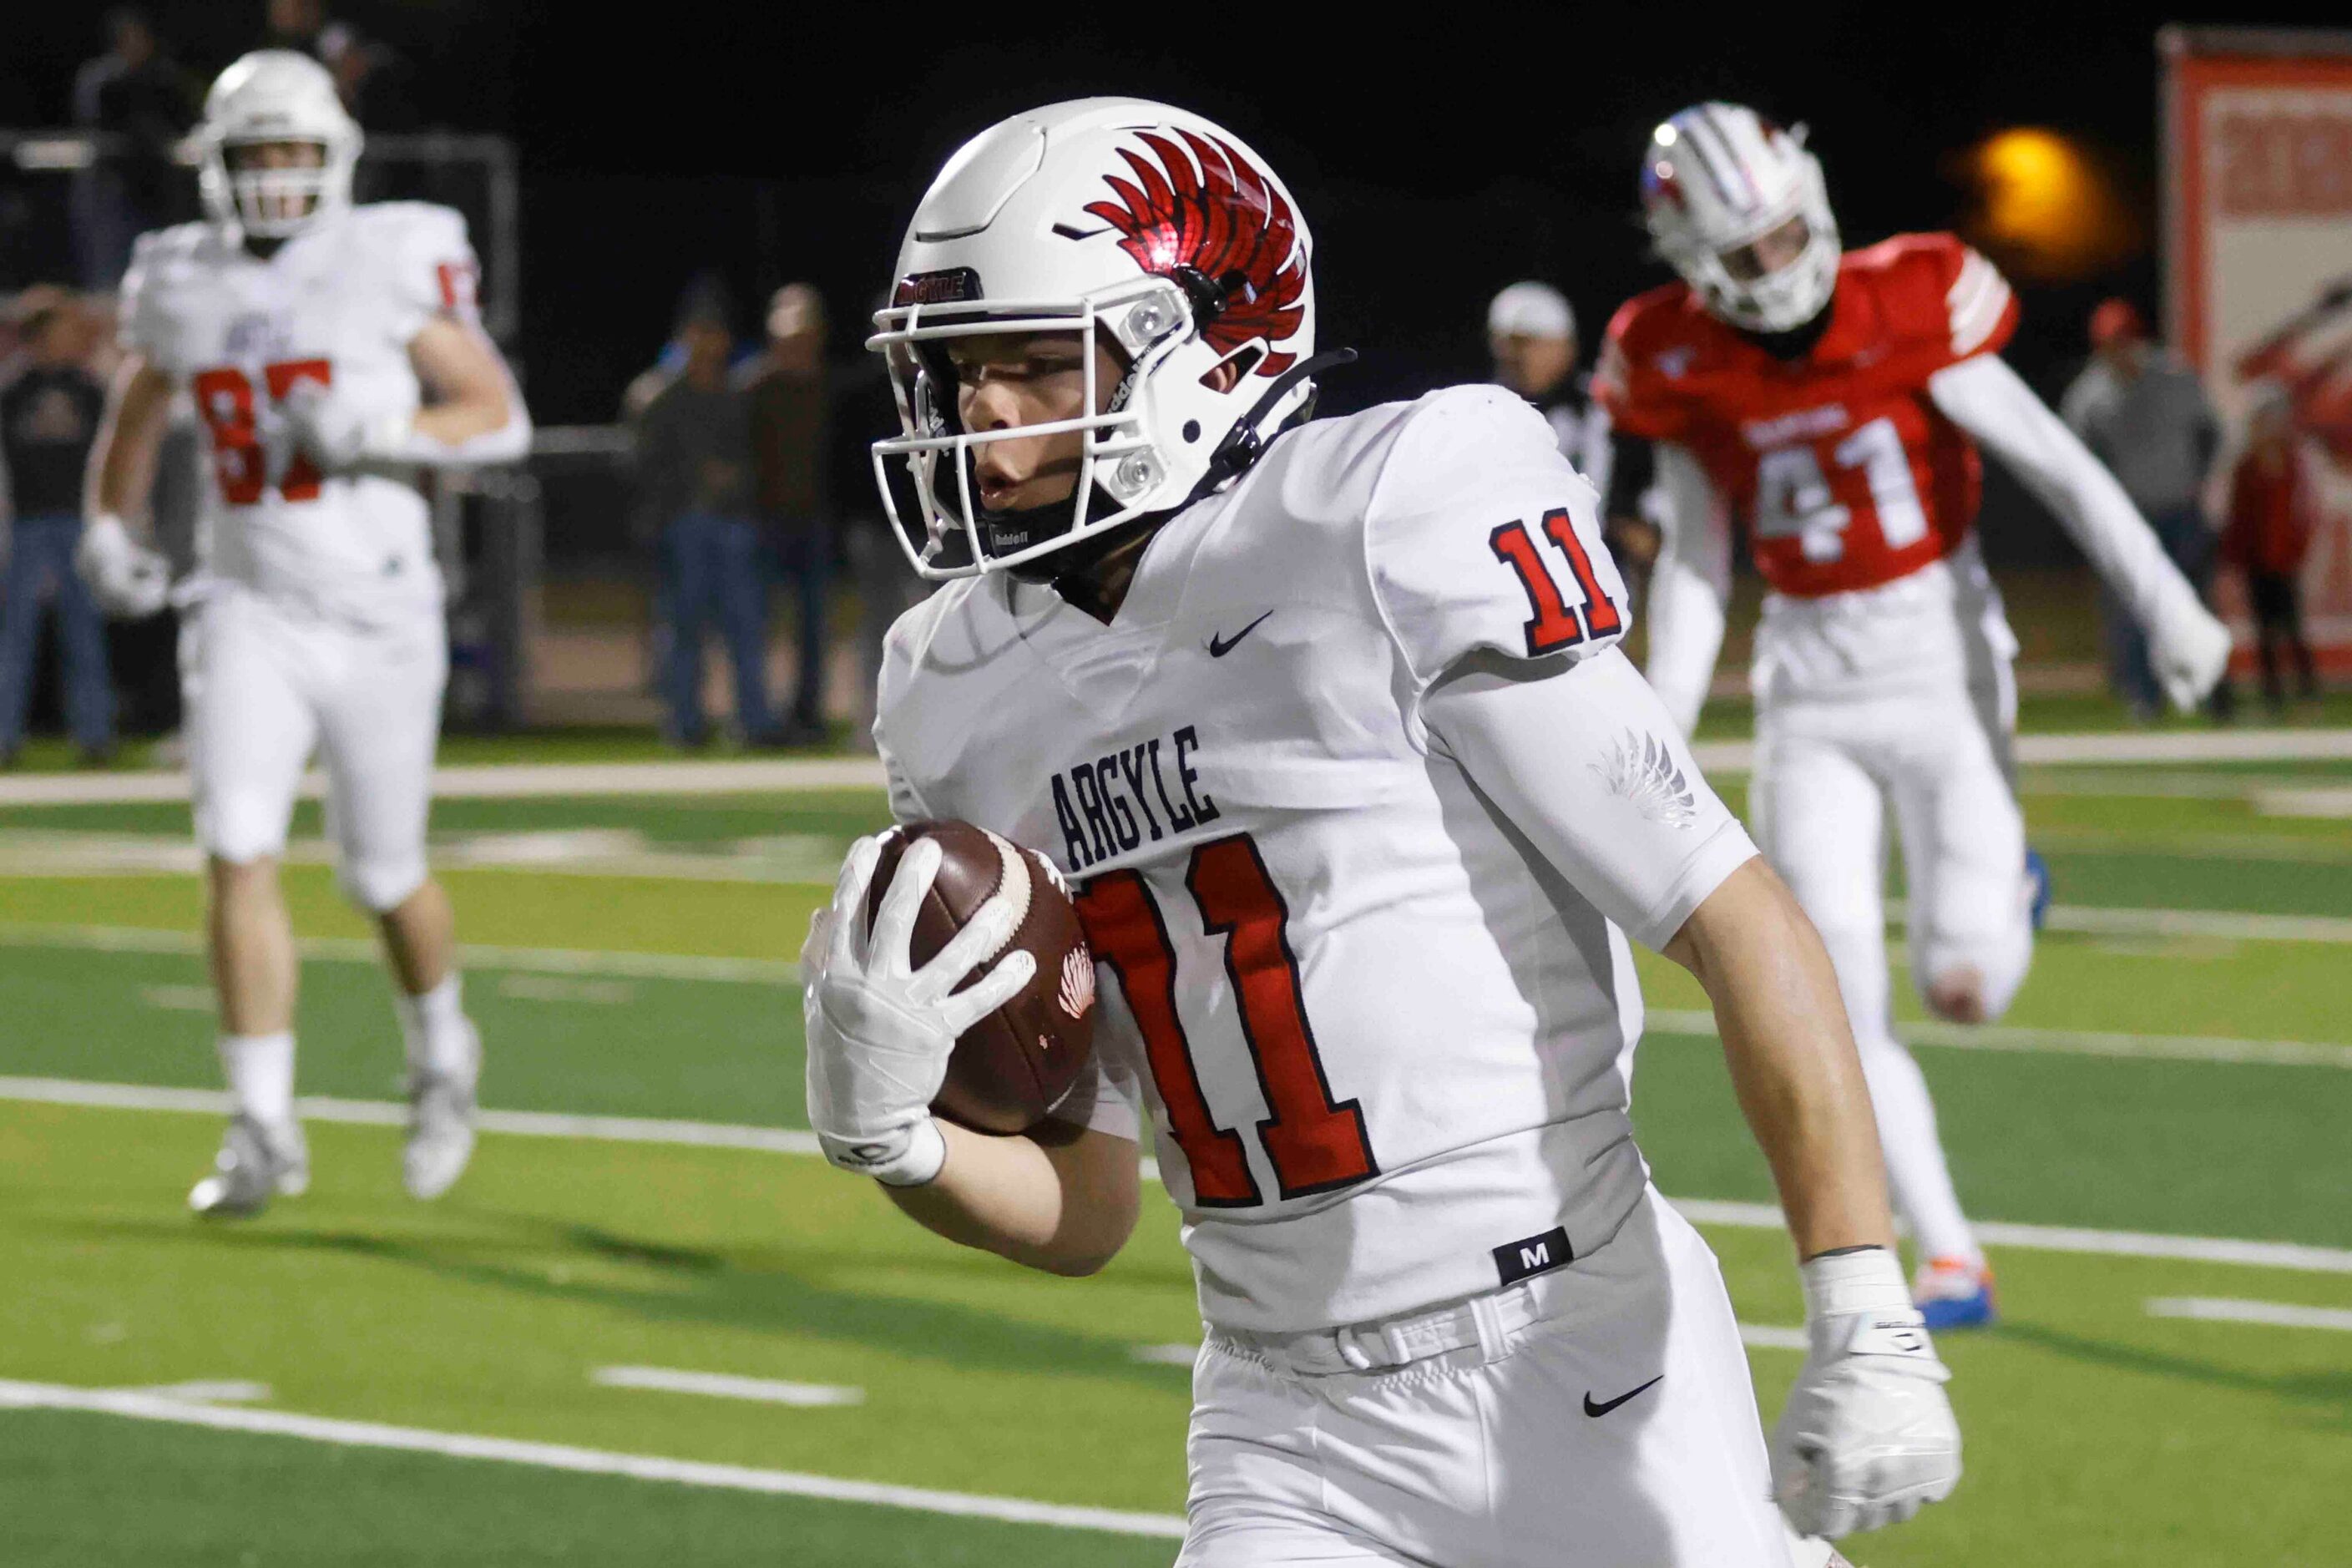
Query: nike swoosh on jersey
[(1220, 647), (1604, 1409)]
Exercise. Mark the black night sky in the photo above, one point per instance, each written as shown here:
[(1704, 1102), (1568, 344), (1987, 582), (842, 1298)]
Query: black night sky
[(1437, 151)]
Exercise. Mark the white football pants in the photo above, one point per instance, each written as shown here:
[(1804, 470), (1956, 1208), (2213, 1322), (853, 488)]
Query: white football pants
[(264, 686), (1826, 770), (1602, 1417)]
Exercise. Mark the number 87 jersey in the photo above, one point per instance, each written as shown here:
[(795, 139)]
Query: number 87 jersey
[(1844, 473), (338, 304), (1365, 968)]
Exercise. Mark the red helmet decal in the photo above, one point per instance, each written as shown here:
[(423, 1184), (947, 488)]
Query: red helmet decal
[(1224, 218)]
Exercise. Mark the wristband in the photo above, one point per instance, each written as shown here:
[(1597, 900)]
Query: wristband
[(915, 1163)]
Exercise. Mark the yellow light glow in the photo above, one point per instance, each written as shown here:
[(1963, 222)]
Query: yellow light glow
[(2047, 205)]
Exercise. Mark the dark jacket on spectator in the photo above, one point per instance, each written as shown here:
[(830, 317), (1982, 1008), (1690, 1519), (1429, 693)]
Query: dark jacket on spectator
[(694, 453), (48, 417), (792, 424)]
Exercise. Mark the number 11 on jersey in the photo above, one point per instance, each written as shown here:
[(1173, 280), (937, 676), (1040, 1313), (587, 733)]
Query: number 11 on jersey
[(1314, 1143)]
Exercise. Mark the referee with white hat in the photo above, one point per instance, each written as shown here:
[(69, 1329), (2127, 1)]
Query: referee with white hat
[(1531, 334)]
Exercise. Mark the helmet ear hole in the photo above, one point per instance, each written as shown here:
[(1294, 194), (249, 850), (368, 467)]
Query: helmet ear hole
[(1228, 372)]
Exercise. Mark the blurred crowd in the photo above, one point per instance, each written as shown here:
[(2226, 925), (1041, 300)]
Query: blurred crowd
[(751, 476), (141, 102)]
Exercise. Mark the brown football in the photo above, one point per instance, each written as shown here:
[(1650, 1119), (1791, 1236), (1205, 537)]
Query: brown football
[(1014, 1067)]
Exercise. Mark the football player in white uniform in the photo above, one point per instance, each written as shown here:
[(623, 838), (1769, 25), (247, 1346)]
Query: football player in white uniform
[(1327, 724), (1832, 404), (332, 351)]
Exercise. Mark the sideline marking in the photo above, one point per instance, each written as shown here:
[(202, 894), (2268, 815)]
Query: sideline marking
[(2293, 1256), (500, 781), (228, 1392), (2229, 925), (721, 1386), (392, 1113), (2287, 1255), (1694, 1024), (358, 950), (519, 781), (2223, 1310), (581, 1461), (1772, 1337)]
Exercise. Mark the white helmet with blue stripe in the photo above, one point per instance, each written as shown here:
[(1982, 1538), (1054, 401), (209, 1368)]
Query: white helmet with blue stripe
[(1737, 206)]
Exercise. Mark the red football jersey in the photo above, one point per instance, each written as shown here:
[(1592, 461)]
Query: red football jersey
[(1843, 471)]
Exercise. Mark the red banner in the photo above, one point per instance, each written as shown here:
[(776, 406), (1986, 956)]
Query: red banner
[(2258, 253)]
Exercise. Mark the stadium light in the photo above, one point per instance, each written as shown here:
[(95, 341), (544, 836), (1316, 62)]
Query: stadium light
[(2047, 206)]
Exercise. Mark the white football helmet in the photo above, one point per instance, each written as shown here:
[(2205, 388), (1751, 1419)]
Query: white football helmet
[(1113, 216), (1716, 179), (276, 95)]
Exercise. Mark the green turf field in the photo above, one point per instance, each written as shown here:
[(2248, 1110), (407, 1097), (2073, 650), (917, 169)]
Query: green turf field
[(424, 1381)]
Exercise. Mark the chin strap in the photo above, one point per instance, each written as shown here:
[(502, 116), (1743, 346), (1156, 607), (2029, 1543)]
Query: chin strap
[(1243, 443)]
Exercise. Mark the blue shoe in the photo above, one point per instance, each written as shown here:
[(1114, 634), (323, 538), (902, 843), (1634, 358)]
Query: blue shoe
[(1953, 1293), (2037, 882)]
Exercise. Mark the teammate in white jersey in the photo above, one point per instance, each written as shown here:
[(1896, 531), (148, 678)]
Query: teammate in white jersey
[(1327, 724), (331, 352)]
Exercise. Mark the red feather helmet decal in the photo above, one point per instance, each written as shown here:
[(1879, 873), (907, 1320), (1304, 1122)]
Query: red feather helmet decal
[(1215, 213)]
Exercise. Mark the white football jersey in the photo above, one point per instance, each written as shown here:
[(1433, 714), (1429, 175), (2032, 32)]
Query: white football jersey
[(1385, 1042), (338, 303)]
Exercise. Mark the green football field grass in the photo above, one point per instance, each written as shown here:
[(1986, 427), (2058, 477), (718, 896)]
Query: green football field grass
[(631, 959)]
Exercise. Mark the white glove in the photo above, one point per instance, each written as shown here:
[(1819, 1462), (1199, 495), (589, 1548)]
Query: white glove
[(1868, 1437), (2190, 650), (880, 1031), (335, 432), (128, 580)]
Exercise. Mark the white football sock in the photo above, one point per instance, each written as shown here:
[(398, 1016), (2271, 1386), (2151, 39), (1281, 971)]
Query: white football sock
[(434, 1026), (1915, 1170), (260, 1072)]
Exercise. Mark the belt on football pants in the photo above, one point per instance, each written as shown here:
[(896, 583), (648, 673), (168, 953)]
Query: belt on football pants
[(1485, 1323)]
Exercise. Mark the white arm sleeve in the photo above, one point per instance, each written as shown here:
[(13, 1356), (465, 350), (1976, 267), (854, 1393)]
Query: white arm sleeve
[(1586, 763), (1986, 398), (1689, 587)]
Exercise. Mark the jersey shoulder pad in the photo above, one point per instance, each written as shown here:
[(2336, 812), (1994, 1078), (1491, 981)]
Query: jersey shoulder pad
[(1480, 535), (1939, 291), (427, 259), (419, 224), (1648, 345), (160, 261)]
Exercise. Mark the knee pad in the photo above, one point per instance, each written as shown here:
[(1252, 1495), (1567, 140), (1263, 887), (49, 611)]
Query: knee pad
[(381, 883), (2000, 961), (240, 828)]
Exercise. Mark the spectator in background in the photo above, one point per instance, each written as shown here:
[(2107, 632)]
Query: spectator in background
[(135, 93), (1531, 337), (865, 411), (2143, 413), (695, 464), (293, 24), (2272, 506), (49, 412), (791, 420)]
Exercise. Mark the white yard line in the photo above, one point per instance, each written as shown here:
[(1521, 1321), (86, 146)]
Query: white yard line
[(2066, 1042), (581, 1461), (392, 1113), (787, 1140), (1166, 1355), (502, 781), (226, 1391), (2226, 925), (2133, 748), (2287, 1255), (2224, 1310), (787, 774), (542, 960), (1772, 1337), (723, 1385)]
